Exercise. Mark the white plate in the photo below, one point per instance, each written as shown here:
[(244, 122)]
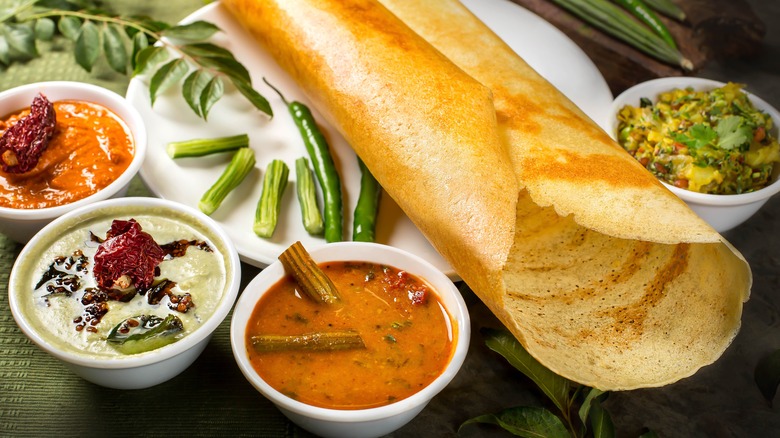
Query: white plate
[(545, 48)]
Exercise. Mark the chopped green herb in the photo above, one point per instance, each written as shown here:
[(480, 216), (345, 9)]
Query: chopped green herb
[(733, 132)]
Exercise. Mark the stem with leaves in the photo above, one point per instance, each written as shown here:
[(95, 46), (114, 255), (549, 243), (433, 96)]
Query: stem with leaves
[(139, 45), (579, 408)]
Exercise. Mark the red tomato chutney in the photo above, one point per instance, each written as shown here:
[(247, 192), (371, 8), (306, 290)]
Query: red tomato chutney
[(407, 332), (90, 148)]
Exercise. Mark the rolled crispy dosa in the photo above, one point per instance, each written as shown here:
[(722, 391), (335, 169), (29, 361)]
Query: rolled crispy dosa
[(603, 275)]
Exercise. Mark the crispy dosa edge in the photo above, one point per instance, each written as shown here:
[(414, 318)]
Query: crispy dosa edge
[(425, 129), (586, 291)]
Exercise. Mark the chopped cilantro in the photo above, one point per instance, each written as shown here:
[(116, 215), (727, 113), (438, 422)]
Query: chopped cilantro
[(733, 132), (699, 135)]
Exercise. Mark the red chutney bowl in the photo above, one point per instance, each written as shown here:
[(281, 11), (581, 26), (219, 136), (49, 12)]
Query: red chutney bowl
[(20, 224), (360, 422)]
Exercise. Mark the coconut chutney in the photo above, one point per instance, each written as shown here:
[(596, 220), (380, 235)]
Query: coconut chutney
[(63, 319)]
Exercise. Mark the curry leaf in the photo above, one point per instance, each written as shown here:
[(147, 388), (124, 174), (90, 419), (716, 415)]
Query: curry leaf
[(592, 395), (648, 434), (554, 386), (204, 50), (87, 45), (767, 375), (63, 4), (600, 421), (528, 422), (114, 48), (69, 27), (5, 55), (44, 29), (150, 24), (227, 66), (166, 76), (193, 87), (148, 58), (212, 93), (8, 12), (140, 42), (255, 98), (22, 39), (198, 30)]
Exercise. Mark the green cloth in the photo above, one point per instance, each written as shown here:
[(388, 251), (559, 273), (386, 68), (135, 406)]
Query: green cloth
[(40, 397)]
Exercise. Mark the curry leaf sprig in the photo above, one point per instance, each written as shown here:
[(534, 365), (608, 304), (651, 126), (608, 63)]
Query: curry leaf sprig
[(580, 413), (134, 45)]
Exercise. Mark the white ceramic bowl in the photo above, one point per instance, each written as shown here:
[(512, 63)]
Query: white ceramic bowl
[(137, 370), (21, 224), (365, 422), (723, 212)]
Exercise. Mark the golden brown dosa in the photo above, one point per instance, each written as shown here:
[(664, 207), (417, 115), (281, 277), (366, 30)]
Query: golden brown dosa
[(604, 276)]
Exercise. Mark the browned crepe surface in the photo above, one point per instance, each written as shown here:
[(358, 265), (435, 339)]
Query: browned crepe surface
[(603, 275)]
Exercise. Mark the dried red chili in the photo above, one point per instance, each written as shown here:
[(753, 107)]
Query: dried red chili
[(127, 253), (23, 143)]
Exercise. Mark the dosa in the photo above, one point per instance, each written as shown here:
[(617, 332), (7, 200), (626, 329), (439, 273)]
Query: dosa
[(602, 274)]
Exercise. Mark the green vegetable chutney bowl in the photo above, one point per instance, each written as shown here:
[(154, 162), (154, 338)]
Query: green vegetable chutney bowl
[(751, 141)]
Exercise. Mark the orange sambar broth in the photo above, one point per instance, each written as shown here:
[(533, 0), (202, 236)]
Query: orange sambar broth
[(407, 345), (90, 148)]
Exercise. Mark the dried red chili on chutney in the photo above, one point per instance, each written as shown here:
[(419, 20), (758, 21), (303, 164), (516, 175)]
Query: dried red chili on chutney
[(127, 251), (23, 143)]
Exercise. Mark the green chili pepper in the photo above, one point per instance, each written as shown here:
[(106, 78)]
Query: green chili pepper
[(640, 10), (324, 168), (613, 20), (367, 207), (667, 8)]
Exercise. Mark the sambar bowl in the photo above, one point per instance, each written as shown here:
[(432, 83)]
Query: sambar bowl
[(353, 421)]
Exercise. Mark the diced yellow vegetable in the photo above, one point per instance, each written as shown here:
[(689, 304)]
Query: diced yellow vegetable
[(699, 177), (764, 155)]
